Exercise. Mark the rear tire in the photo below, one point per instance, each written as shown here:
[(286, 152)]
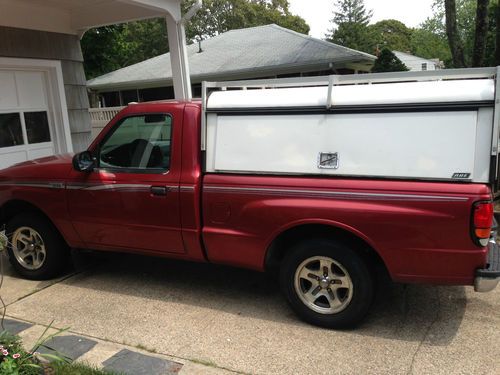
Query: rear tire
[(327, 283), (36, 249)]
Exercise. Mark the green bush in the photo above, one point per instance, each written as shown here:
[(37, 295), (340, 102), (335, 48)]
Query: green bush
[(387, 61), (15, 360)]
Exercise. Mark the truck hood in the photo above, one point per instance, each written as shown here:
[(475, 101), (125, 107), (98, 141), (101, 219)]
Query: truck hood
[(56, 167)]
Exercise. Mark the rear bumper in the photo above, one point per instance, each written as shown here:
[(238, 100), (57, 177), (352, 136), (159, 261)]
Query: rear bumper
[(487, 279)]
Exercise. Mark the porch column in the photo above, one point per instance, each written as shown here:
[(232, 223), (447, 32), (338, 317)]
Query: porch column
[(178, 58)]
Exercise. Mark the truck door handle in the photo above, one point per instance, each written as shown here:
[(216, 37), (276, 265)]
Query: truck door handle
[(159, 190)]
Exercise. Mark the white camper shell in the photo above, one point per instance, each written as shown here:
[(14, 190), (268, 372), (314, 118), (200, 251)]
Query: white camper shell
[(440, 125)]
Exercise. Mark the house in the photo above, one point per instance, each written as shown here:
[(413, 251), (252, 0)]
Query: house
[(259, 52), (43, 95), (415, 63)]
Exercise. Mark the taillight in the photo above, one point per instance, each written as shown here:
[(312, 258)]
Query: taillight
[(482, 221)]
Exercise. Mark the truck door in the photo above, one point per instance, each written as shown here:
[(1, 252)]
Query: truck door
[(131, 200)]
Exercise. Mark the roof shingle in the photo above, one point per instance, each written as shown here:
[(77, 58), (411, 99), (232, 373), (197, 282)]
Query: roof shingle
[(261, 48)]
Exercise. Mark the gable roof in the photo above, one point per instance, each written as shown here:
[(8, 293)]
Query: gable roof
[(263, 49)]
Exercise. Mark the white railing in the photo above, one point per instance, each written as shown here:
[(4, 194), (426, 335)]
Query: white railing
[(100, 117)]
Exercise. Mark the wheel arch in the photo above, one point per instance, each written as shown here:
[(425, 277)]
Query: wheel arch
[(16, 206), (279, 246)]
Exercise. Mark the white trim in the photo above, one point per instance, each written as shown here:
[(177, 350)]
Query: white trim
[(59, 81), (171, 7), (24, 130), (56, 95), (103, 14), (179, 59)]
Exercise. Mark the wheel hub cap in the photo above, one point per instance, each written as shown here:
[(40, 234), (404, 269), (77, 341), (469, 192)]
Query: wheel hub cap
[(28, 248), (324, 282), (323, 285)]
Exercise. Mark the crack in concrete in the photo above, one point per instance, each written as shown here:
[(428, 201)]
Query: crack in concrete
[(43, 288), (426, 335)]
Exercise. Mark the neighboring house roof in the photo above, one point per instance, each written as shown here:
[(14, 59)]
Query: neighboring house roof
[(264, 49), (408, 58)]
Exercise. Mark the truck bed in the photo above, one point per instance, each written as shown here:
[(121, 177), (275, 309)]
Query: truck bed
[(244, 214)]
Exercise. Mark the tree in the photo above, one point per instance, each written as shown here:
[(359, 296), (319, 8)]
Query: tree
[(481, 33), (388, 62), (112, 47), (350, 25), (456, 47), (352, 11), (100, 48), (218, 16), (497, 34), (466, 15), (391, 34), (476, 25), (146, 38), (429, 45)]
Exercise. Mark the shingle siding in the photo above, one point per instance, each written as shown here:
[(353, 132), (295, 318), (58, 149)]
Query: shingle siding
[(78, 120), (76, 98), (21, 43), (39, 44)]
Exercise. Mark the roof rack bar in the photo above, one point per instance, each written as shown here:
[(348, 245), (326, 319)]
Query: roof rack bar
[(445, 74), (496, 120), (271, 83), (351, 79), (332, 80), (496, 131)]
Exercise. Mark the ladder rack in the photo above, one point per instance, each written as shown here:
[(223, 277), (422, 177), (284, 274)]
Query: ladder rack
[(353, 79)]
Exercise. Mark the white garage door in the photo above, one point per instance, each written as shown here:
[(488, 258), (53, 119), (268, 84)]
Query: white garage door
[(26, 121)]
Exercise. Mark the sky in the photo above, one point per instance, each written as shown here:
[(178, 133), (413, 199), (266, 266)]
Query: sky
[(318, 13)]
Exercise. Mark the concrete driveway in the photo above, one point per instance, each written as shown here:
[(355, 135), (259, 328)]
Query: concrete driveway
[(237, 320)]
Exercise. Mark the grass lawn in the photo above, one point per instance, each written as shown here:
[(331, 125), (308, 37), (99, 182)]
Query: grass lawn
[(74, 368)]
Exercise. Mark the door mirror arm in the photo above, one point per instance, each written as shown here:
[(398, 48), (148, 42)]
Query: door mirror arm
[(84, 162)]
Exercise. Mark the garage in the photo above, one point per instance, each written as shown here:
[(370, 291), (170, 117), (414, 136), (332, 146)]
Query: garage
[(44, 105), (29, 110)]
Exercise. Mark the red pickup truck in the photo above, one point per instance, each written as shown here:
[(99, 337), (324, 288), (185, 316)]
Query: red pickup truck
[(143, 187)]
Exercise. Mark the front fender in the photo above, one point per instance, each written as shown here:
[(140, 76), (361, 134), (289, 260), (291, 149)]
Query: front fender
[(46, 201)]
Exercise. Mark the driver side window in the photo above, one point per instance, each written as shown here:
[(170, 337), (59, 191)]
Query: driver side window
[(138, 143)]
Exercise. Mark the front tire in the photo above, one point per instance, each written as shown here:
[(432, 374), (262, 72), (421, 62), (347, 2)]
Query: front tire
[(327, 283), (36, 249)]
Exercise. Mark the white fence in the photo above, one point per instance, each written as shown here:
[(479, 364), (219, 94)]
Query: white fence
[(100, 117)]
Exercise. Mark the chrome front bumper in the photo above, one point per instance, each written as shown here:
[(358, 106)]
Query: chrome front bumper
[(488, 278)]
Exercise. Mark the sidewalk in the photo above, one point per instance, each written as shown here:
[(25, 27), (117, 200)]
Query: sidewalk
[(121, 358)]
